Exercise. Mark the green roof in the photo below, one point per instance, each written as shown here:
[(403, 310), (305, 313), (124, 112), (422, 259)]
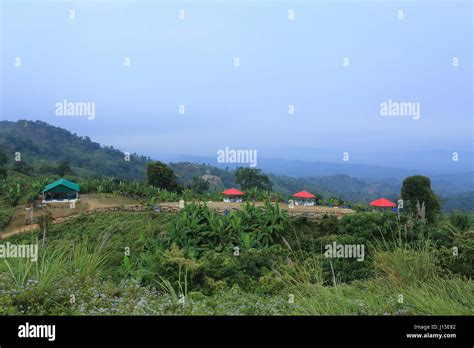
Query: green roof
[(62, 182)]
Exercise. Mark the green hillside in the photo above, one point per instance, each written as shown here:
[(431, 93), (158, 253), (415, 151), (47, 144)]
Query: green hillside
[(461, 202), (278, 256), (43, 146), (256, 260)]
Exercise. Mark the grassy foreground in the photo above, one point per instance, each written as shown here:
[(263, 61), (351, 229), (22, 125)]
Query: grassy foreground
[(132, 263)]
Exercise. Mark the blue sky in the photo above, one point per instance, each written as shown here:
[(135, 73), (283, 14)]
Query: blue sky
[(282, 62)]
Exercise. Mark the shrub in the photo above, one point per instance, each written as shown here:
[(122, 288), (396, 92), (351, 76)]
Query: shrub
[(349, 269), (417, 190), (407, 265), (5, 216), (459, 257), (460, 221)]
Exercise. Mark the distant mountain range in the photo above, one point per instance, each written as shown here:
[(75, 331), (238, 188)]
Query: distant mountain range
[(43, 146), (377, 179), (305, 168), (429, 161)]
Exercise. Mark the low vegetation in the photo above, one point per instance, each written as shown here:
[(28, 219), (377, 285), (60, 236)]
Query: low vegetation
[(253, 261)]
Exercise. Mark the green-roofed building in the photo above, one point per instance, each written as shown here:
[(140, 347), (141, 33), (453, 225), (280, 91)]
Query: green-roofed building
[(60, 191)]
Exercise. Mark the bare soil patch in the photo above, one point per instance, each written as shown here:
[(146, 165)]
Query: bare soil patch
[(21, 218)]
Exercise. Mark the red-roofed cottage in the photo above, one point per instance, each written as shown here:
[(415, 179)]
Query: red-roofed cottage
[(305, 198), (233, 195)]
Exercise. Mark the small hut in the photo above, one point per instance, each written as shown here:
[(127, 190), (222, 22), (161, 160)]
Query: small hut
[(61, 191), (305, 198), (233, 195), (382, 203)]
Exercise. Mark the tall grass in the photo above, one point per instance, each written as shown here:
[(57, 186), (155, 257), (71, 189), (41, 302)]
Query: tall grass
[(300, 268), (48, 268), (55, 261), (87, 261), (167, 288), (407, 282), (17, 270), (436, 296), (408, 263)]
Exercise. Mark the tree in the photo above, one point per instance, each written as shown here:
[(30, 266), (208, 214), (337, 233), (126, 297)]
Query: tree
[(161, 176), (64, 168), (22, 167), (46, 168), (417, 188), (3, 161), (3, 158), (249, 178), (199, 185)]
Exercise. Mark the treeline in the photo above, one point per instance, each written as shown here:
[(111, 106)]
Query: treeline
[(37, 147), (214, 262)]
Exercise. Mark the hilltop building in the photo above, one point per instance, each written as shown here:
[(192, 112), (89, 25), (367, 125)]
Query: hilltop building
[(233, 195), (305, 198), (61, 191)]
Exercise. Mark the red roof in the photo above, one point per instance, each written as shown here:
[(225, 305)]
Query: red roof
[(233, 192), (304, 194), (382, 202)]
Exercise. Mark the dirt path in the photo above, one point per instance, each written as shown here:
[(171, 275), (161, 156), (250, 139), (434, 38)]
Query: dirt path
[(61, 212), (97, 203), (314, 211), (23, 229), (29, 228)]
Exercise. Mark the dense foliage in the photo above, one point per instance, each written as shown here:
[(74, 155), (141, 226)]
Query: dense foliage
[(249, 178), (253, 261), (161, 176), (419, 198), (244, 262), (37, 142), (41, 144)]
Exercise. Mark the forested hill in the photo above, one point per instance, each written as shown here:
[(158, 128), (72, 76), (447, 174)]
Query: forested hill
[(43, 146)]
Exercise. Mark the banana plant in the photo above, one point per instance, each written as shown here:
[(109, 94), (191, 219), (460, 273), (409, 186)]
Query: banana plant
[(248, 240), (14, 195), (236, 224), (266, 196), (252, 193), (265, 236)]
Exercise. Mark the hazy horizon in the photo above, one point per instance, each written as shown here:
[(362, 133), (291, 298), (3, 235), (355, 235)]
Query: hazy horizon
[(283, 62)]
